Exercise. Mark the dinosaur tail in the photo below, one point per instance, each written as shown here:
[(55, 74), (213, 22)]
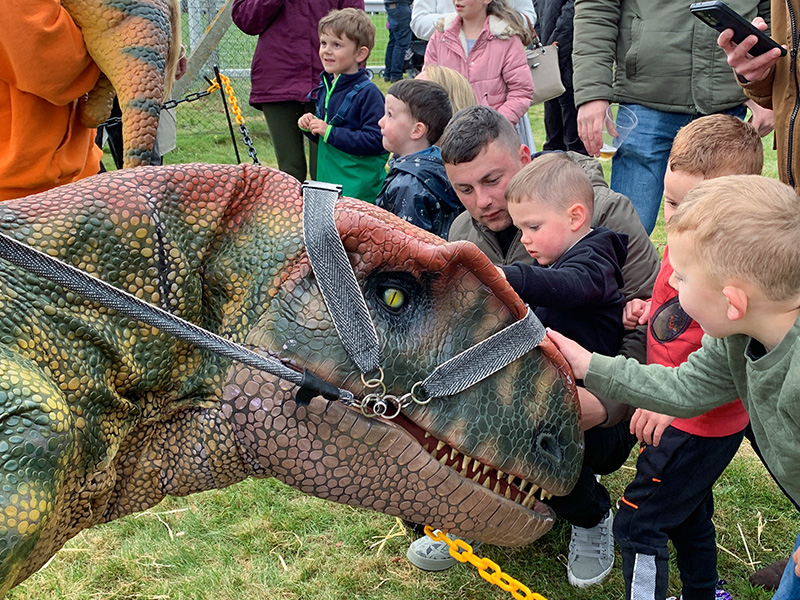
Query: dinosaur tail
[(136, 44)]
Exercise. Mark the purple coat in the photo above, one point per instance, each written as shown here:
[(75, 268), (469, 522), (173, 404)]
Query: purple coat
[(286, 62)]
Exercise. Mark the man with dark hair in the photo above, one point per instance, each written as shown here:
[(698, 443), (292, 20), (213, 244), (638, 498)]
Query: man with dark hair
[(481, 153), (416, 188)]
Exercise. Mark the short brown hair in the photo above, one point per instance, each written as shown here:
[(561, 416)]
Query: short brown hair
[(427, 102), (745, 227), (352, 23), (717, 145), (554, 179)]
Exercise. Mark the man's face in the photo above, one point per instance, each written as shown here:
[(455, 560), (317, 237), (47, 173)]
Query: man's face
[(481, 183)]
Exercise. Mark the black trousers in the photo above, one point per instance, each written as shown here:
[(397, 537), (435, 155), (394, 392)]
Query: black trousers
[(287, 139), (607, 449), (671, 498), (561, 124)]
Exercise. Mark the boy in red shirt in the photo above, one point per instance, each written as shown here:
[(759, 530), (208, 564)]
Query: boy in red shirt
[(671, 496)]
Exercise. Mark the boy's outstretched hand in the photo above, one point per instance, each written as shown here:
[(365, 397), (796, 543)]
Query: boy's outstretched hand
[(577, 357), (648, 426)]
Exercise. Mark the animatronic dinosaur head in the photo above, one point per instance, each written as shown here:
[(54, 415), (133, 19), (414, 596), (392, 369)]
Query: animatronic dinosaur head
[(474, 464)]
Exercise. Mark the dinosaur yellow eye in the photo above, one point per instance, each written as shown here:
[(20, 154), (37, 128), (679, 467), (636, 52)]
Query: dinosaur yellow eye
[(394, 298)]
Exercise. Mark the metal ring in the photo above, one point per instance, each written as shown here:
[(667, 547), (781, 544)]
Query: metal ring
[(390, 400), (414, 396), (375, 382)]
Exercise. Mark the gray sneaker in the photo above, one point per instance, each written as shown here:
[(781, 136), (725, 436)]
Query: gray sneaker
[(428, 555), (591, 553)]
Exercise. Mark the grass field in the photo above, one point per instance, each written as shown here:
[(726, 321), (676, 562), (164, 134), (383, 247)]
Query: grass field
[(263, 540)]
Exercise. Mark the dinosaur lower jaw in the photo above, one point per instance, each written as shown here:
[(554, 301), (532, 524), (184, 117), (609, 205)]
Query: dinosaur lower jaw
[(527, 494)]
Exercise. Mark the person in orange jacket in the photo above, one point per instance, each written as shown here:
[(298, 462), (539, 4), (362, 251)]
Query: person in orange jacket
[(44, 69)]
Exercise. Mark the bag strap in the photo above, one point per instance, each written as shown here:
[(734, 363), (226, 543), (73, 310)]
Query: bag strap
[(536, 42)]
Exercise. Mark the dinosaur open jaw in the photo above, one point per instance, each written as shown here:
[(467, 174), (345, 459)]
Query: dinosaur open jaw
[(514, 488)]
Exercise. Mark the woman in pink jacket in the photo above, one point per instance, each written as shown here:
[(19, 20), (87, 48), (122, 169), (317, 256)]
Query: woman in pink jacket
[(485, 41)]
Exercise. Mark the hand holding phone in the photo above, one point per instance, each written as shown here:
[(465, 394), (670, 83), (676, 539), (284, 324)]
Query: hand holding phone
[(747, 67), (722, 17)]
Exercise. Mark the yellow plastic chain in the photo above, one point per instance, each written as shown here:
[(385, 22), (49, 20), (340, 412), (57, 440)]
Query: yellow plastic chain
[(234, 104), (489, 570)]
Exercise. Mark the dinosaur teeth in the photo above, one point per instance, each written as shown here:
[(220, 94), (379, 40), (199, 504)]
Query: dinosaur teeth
[(476, 477), (522, 485), (530, 499), (453, 454), (546, 495), (497, 487), (427, 435), (510, 479), (443, 459), (439, 446), (486, 469), (465, 463), (487, 483), (508, 493)]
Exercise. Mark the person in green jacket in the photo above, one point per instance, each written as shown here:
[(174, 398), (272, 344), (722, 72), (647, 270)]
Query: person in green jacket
[(664, 64), (733, 247)]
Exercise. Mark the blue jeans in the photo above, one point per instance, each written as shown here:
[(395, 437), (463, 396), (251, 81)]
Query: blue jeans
[(399, 18), (789, 588), (638, 167)]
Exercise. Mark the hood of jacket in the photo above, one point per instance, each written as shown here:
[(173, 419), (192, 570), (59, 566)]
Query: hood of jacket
[(494, 25), (428, 169), (612, 245)]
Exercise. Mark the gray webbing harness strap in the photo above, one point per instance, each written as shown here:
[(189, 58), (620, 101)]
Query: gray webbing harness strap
[(126, 304), (350, 315), (485, 358), (335, 276)]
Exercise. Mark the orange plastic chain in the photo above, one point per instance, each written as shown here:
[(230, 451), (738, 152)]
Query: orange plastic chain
[(489, 570)]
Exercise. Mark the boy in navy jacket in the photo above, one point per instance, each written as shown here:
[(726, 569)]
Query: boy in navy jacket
[(416, 188), (348, 107), (574, 283)]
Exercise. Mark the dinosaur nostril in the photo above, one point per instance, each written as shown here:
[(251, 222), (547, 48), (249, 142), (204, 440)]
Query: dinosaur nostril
[(550, 446)]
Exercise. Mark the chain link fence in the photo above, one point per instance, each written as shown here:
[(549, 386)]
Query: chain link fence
[(234, 52)]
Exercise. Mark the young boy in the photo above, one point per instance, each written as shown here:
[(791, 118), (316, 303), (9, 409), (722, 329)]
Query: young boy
[(736, 259), (575, 280), (416, 188), (349, 106), (662, 502)]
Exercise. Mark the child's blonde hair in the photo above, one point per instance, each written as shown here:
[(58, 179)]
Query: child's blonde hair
[(352, 23), (744, 227), (553, 179), (717, 145), (458, 88), (518, 23)]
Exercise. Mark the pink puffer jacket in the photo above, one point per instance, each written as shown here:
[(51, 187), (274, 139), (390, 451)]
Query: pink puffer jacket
[(496, 67)]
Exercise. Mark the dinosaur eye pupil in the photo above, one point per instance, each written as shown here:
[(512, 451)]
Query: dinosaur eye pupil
[(393, 298)]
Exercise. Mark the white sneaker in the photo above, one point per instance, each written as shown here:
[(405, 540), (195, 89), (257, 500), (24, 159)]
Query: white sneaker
[(428, 555), (591, 553)]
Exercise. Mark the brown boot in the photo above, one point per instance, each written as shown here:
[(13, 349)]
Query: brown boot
[(770, 576)]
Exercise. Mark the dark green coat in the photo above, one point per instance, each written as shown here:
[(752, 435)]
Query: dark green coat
[(654, 53)]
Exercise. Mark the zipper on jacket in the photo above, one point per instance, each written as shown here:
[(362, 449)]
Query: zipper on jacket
[(793, 67)]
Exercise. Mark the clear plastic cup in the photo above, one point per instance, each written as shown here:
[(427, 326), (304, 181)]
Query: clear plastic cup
[(619, 122)]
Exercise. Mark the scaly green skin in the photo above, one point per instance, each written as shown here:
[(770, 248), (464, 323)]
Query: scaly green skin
[(136, 45), (102, 416)]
